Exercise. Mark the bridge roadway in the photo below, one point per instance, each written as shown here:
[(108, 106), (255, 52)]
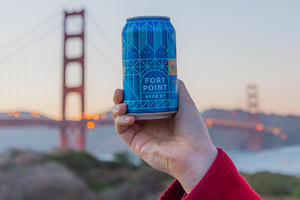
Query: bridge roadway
[(210, 122), (48, 122)]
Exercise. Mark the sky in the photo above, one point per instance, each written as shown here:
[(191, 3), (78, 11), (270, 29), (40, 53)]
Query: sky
[(221, 47)]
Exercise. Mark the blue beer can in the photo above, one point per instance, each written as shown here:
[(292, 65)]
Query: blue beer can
[(149, 67)]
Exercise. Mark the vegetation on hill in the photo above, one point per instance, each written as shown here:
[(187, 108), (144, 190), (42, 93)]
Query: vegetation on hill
[(139, 182), (61, 174), (274, 185), (116, 180)]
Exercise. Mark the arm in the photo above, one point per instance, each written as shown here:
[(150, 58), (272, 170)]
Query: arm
[(221, 182)]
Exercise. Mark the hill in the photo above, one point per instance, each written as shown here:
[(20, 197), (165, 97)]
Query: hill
[(229, 139), (73, 175)]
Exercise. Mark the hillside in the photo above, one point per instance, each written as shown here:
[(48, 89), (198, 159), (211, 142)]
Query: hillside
[(27, 175), (230, 139)]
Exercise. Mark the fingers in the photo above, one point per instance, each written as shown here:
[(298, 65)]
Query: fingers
[(118, 96), (123, 122), (118, 109)]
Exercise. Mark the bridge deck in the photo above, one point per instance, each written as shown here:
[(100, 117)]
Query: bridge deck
[(210, 122)]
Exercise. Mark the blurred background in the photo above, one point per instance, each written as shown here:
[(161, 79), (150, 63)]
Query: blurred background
[(60, 62)]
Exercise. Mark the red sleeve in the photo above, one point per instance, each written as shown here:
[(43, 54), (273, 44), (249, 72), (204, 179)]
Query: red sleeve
[(221, 182)]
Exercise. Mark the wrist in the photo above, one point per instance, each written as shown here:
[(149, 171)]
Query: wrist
[(197, 166)]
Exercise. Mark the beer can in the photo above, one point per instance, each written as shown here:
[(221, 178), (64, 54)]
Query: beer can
[(149, 67)]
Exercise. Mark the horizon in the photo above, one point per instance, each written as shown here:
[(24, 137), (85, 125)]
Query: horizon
[(10, 113)]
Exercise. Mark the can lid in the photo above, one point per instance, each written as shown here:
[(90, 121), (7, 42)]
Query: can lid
[(148, 18)]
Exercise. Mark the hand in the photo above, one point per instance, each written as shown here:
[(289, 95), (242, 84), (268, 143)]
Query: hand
[(179, 146)]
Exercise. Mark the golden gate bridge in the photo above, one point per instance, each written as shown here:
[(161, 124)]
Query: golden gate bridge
[(72, 133)]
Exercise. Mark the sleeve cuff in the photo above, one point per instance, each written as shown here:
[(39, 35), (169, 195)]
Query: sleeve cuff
[(202, 188), (221, 181), (174, 192)]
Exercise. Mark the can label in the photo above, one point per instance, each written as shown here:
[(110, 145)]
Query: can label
[(149, 66)]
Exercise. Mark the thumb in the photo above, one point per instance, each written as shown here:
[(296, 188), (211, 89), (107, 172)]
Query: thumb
[(185, 101), (188, 115)]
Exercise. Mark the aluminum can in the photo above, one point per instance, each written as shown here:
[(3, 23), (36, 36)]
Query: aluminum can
[(149, 67)]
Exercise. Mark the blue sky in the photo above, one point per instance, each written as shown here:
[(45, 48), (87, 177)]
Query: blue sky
[(222, 46)]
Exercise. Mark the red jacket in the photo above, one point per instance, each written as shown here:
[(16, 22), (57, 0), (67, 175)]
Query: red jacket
[(221, 182)]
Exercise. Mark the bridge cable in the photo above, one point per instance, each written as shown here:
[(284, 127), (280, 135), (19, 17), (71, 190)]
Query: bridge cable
[(108, 60), (99, 29), (11, 43), (34, 40)]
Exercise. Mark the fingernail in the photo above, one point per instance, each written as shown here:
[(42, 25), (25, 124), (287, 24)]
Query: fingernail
[(116, 108)]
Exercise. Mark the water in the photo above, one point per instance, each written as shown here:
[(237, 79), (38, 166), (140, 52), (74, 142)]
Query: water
[(103, 142), (282, 160)]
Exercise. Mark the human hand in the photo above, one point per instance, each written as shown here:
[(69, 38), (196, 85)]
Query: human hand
[(179, 146)]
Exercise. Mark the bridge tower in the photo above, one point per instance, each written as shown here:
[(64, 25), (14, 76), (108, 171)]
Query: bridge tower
[(254, 137), (73, 133)]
